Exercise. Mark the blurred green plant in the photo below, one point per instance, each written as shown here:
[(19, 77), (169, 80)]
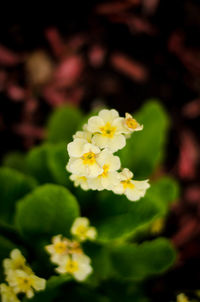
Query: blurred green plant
[(38, 201)]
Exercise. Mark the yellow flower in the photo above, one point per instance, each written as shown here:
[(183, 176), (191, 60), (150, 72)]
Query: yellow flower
[(133, 189), (107, 129), (7, 294), (61, 247), (182, 298), (77, 265), (16, 262), (130, 124), (21, 282), (82, 230)]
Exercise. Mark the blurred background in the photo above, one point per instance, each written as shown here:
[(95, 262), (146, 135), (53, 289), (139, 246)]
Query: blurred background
[(116, 54)]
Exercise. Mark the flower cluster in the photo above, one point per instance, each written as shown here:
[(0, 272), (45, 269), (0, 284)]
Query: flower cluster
[(68, 254), (92, 162), (20, 278)]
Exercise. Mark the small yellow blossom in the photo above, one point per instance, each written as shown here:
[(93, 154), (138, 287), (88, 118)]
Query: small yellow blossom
[(83, 157), (130, 124), (107, 129), (109, 178), (7, 294), (133, 189), (16, 262), (77, 265), (21, 282), (61, 247), (81, 181), (82, 230), (182, 298)]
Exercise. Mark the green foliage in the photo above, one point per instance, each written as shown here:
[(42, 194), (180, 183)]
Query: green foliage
[(13, 186), (119, 263), (145, 149), (47, 211), (136, 262), (63, 124), (118, 217)]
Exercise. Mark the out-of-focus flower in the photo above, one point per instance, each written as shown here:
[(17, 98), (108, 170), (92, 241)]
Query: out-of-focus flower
[(182, 298), (133, 189), (107, 129), (61, 247), (21, 282), (130, 124), (82, 230), (77, 265), (7, 294), (16, 262), (81, 181)]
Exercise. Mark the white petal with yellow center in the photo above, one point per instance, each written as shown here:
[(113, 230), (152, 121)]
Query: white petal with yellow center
[(76, 265), (130, 124), (16, 261), (7, 294), (80, 181), (82, 230)]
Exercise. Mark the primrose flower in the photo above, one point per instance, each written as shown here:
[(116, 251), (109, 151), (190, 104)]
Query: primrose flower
[(16, 262), (61, 247), (21, 282), (80, 181), (130, 124), (133, 189), (83, 161), (77, 265), (107, 129), (7, 294), (82, 230), (84, 135), (109, 178), (182, 298)]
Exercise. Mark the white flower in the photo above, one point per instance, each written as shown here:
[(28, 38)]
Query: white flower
[(80, 181), (61, 247), (107, 129), (16, 262), (83, 158), (133, 189), (84, 135), (7, 294), (130, 124), (77, 265), (21, 282), (109, 178), (82, 230)]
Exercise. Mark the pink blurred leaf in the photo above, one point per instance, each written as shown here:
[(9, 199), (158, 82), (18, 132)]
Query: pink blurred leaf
[(8, 57), (15, 92), (96, 55), (189, 156), (55, 41), (127, 66), (192, 109), (115, 7)]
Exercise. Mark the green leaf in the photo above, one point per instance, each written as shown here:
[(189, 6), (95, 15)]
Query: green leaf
[(57, 158), (37, 164), (47, 211), (13, 186), (15, 160), (63, 124), (117, 217), (145, 149), (137, 262), (6, 247)]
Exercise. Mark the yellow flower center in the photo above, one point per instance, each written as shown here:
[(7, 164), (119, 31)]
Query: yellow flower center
[(105, 170), (127, 184), (131, 123), (60, 247), (81, 231), (24, 283), (71, 266), (108, 130), (89, 158)]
